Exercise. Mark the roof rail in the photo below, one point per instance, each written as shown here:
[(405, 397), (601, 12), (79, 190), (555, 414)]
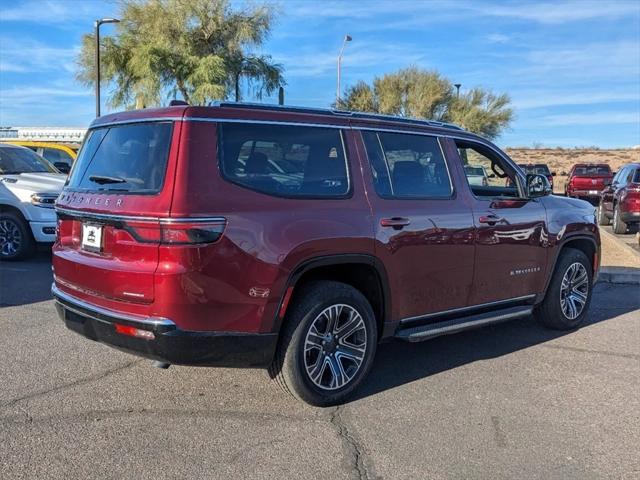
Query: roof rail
[(347, 113)]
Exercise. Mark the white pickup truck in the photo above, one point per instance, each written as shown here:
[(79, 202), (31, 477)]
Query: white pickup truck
[(29, 186)]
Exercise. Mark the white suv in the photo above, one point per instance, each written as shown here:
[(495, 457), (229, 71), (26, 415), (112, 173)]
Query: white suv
[(29, 186)]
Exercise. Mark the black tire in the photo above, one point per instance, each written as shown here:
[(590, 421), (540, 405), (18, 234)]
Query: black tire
[(602, 218), (551, 312), (618, 225), (288, 367), (16, 240)]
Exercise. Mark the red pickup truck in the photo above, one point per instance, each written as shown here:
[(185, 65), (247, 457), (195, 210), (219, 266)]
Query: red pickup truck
[(587, 180)]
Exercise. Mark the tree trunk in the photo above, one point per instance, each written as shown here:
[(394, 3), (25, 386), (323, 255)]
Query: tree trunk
[(238, 87), (183, 90)]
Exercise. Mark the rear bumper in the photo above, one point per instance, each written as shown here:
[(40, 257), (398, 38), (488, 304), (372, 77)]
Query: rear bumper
[(584, 193), (630, 217), (170, 344)]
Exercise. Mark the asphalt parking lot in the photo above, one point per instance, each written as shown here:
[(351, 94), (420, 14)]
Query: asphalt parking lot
[(508, 401)]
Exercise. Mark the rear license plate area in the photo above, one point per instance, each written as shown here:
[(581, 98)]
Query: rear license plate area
[(92, 237)]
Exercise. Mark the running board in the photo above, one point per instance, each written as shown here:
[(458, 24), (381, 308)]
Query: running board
[(432, 330)]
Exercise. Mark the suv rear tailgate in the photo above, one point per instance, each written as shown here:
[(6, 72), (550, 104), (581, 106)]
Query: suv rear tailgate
[(120, 186)]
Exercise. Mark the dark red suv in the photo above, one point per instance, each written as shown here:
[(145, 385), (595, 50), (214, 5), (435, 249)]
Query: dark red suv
[(298, 239), (620, 200)]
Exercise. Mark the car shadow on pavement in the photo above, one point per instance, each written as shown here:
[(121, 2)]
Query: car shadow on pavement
[(398, 362), (27, 281)]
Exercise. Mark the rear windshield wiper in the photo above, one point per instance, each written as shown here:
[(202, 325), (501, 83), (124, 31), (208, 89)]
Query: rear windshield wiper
[(102, 179)]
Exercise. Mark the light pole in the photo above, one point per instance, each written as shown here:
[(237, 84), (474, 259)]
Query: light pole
[(97, 25), (347, 38), (457, 85)]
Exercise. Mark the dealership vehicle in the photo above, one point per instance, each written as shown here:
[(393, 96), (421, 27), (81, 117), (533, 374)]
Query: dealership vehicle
[(29, 186), (620, 200), (587, 180), (476, 175), (298, 239), (61, 155)]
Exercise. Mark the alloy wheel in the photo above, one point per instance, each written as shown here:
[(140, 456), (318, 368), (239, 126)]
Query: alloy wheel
[(10, 237), (335, 347), (574, 290)]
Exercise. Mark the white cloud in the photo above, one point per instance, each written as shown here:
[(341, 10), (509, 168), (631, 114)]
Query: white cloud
[(524, 100), (321, 62), (420, 13), (497, 38), (591, 118), (55, 12), (558, 12), (26, 55)]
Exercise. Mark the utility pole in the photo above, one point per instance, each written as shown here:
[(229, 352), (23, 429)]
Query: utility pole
[(347, 38), (97, 26)]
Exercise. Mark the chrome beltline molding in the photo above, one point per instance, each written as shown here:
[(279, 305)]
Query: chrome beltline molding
[(135, 218)]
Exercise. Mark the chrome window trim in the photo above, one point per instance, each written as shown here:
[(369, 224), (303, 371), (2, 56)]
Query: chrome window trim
[(149, 321), (265, 122), (95, 125), (469, 308), (134, 218)]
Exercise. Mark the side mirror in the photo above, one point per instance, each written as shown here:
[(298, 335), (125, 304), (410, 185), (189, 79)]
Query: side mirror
[(553, 174), (62, 166), (538, 186), (492, 175)]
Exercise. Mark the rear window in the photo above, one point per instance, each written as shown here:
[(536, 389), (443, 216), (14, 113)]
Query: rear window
[(286, 161), (536, 169), (592, 171), (636, 176), (123, 158)]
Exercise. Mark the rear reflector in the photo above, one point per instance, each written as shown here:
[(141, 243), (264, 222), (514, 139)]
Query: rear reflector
[(134, 332)]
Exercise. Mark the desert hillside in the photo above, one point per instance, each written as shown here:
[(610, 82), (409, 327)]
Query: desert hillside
[(560, 160)]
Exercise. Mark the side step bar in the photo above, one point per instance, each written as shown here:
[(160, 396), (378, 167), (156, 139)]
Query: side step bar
[(432, 330)]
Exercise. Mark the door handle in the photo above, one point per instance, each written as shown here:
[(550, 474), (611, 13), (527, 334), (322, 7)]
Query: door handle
[(490, 219), (397, 223)]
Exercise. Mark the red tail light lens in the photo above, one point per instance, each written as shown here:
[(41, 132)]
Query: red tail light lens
[(177, 232)]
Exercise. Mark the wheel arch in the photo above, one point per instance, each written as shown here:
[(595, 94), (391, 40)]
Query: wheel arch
[(357, 270), (583, 242)]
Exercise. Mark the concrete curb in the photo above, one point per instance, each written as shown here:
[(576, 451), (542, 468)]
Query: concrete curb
[(619, 275), (619, 242)]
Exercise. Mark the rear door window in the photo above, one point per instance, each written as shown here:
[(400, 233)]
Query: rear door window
[(284, 160), (123, 158), (407, 166)]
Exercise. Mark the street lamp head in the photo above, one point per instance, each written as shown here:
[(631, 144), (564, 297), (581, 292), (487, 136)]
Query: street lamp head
[(347, 38), (107, 20)]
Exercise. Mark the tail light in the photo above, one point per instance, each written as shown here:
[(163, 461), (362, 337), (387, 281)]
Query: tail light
[(177, 232)]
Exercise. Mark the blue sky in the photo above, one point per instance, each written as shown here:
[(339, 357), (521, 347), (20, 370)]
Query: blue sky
[(572, 68)]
